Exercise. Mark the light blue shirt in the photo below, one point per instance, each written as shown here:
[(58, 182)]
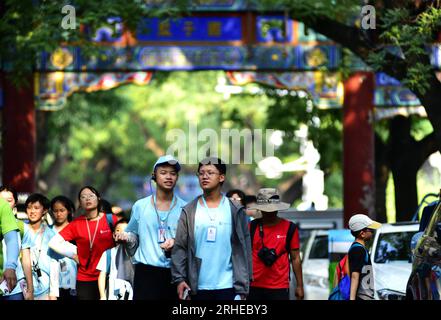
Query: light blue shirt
[(144, 223), (35, 241), (216, 268), (19, 270)]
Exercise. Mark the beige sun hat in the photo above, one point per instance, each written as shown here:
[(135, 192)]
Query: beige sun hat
[(268, 200)]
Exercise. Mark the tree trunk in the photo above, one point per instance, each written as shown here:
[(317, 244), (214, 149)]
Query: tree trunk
[(431, 102), (381, 178), (404, 165), (406, 201)]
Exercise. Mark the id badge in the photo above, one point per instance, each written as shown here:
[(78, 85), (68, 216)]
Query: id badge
[(161, 234), (211, 234)]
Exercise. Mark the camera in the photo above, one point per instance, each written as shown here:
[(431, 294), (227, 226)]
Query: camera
[(37, 270), (268, 256)]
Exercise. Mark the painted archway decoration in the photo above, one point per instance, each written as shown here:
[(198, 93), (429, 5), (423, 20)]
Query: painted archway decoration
[(52, 89)]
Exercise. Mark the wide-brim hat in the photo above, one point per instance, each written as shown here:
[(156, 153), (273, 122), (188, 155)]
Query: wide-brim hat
[(268, 200)]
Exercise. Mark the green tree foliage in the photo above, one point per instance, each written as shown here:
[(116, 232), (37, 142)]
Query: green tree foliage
[(29, 27), (103, 138)]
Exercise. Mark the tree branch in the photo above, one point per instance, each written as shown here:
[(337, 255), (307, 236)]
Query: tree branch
[(353, 39)]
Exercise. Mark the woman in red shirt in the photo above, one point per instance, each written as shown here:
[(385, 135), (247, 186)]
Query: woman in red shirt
[(92, 235)]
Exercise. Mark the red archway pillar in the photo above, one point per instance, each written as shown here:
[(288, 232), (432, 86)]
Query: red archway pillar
[(358, 146), (18, 135)]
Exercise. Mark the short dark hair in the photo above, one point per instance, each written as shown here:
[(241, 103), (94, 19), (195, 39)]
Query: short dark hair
[(11, 190), (106, 206), (67, 203), (217, 162), (122, 220), (357, 233), (240, 193), (38, 197), (250, 199)]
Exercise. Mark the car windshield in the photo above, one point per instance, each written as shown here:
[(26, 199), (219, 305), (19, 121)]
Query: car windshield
[(319, 248), (394, 246)]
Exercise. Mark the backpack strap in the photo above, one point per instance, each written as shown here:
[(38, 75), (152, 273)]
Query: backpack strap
[(253, 226), (356, 244), (291, 229), (109, 218), (342, 268), (108, 262)]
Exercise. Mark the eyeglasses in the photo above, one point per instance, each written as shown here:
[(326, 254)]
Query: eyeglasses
[(87, 197), (370, 230), (208, 173)]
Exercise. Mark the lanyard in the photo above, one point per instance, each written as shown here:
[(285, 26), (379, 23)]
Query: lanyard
[(208, 210), (164, 222), (92, 240), (41, 235)]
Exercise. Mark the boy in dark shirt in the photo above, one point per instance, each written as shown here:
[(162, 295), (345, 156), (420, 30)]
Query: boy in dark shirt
[(360, 266)]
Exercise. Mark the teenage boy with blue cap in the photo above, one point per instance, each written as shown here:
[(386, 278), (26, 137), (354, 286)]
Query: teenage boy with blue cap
[(151, 231)]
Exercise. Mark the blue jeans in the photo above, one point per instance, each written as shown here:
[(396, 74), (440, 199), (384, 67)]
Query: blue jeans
[(17, 296)]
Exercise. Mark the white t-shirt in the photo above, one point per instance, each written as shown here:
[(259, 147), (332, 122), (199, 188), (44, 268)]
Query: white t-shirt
[(118, 289)]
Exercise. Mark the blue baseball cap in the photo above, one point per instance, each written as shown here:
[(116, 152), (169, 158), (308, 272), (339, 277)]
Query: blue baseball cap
[(169, 160)]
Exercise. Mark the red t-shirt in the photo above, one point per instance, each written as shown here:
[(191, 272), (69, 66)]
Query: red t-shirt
[(276, 276), (77, 231)]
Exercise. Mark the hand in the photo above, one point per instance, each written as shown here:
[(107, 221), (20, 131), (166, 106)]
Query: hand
[(28, 294), (181, 287), (75, 258), (121, 237), (168, 244), (299, 293), (10, 277)]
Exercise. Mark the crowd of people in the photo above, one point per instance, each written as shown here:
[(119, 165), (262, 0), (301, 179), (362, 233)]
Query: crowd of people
[(216, 247)]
